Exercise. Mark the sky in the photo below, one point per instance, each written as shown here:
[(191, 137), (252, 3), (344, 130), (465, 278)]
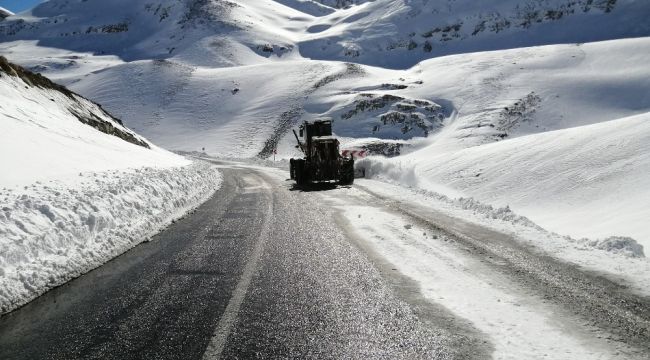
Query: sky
[(17, 6)]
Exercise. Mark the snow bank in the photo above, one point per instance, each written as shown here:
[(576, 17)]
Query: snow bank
[(76, 187), (403, 173), (52, 232), (618, 258)]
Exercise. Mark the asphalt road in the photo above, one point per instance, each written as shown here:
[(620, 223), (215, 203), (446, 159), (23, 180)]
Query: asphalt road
[(265, 270), (258, 271)]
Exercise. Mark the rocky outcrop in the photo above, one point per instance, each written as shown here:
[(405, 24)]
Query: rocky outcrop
[(86, 111)]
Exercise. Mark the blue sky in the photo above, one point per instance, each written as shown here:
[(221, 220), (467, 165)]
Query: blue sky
[(18, 5)]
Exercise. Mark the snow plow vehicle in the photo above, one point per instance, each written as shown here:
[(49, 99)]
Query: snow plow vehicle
[(323, 160)]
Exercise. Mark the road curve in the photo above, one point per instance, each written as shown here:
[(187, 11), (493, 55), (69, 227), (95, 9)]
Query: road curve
[(257, 271), (265, 270)]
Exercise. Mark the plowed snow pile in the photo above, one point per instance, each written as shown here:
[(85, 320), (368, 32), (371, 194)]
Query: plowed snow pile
[(73, 197)]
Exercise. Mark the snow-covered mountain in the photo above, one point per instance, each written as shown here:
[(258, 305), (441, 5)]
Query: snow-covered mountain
[(443, 82), (399, 34), (388, 33), (225, 54), (4, 13)]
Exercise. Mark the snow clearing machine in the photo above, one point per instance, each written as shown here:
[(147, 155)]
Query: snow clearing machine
[(322, 161)]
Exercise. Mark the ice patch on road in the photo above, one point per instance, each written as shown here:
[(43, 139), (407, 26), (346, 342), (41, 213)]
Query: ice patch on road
[(55, 231)]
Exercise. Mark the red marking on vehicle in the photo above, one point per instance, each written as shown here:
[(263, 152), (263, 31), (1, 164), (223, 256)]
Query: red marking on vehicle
[(355, 153)]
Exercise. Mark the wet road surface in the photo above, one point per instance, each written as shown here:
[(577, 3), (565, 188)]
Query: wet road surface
[(265, 270), (258, 271)]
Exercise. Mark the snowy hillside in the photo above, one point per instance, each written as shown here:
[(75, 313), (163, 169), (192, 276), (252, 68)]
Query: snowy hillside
[(255, 61), (398, 34), (77, 187), (558, 133)]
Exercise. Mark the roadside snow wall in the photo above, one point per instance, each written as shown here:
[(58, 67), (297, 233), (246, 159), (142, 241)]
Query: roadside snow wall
[(53, 232)]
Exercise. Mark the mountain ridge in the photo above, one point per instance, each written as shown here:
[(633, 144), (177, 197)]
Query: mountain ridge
[(389, 33)]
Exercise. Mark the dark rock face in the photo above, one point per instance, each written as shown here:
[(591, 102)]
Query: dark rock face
[(414, 117), (78, 109), (4, 14)]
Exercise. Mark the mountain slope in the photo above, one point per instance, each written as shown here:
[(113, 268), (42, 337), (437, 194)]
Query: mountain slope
[(85, 111), (194, 37)]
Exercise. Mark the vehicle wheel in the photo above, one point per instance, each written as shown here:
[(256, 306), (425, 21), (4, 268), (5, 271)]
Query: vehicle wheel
[(347, 173), (301, 171)]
